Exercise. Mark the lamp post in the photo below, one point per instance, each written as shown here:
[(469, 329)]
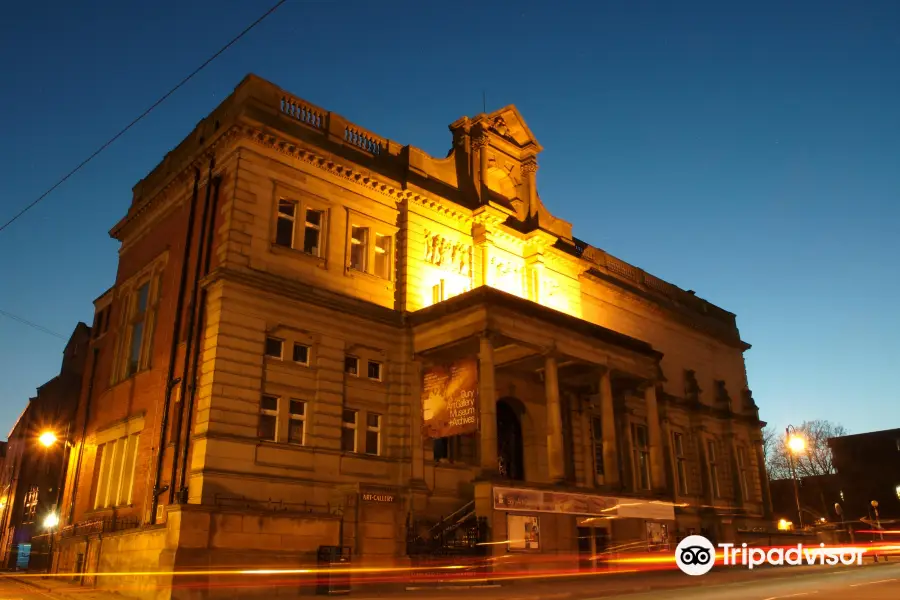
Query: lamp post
[(48, 439), (795, 444)]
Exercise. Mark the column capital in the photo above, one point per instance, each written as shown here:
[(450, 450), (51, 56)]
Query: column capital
[(529, 165), (480, 141)]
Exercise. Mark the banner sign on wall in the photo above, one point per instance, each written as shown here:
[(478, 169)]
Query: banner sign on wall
[(450, 398), (525, 500)]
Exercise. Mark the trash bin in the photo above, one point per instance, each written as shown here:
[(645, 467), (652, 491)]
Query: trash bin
[(329, 583)]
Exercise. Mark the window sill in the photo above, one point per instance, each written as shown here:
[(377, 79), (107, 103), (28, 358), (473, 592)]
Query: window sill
[(355, 273), (319, 261)]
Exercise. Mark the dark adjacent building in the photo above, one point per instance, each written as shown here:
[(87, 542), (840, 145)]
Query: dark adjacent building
[(32, 471), (868, 468), (818, 495)]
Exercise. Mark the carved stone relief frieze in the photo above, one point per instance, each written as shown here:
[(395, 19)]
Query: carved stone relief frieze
[(446, 254)]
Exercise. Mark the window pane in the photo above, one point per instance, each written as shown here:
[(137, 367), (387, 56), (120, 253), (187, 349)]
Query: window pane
[(284, 232), (348, 440), (359, 248), (273, 347), (349, 417), (301, 354), (142, 296), (298, 407), (295, 432), (286, 208), (269, 403), (314, 218), (134, 357), (383, 256), (374, 370), (373, 420), (372, 442), (267, 425), (351, 365), (311, 241)]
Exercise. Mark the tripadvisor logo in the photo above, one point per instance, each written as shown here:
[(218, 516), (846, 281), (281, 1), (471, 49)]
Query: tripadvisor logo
[(696, 555)]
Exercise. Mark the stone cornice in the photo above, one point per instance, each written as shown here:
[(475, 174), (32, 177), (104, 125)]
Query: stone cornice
[(183, 176), (362, 177), (659, 308)]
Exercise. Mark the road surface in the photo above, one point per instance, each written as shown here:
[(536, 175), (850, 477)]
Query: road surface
[(873, 582)]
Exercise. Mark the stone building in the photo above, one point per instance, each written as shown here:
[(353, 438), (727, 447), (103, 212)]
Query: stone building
[(321, 336), (31, 474)]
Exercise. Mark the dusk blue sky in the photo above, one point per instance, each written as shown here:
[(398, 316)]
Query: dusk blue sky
[(749, 153)]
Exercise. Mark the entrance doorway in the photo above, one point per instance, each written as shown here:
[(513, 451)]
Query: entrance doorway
[(509, 442)]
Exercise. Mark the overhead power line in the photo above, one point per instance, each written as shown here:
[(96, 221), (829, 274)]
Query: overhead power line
[(25, 321), (143, 114)]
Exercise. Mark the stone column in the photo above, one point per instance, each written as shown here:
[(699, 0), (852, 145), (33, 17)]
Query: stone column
[(417, 457), (608, 424), (487, 403), (657, 475), (529, 168), (587, 446), (555, 466), (479, 145)]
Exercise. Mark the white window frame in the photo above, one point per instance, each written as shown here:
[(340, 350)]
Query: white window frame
[(380, 364), (302, 204), (386, 253), (353, 426), (319, 229), (292, 416), (361, 242), (269, 412), (294, 353), (356, 358), (292, 219), (280, 346), (376, 429)]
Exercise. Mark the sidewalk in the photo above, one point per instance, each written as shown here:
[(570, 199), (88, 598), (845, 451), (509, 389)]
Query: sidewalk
[(60, 587)]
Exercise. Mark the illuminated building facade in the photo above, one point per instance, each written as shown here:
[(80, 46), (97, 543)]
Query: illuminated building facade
[(261, 393)]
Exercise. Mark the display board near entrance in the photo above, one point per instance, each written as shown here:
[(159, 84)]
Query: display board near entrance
[(450, 398), (525, 500)]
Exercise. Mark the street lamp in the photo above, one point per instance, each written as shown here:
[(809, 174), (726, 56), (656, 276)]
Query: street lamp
[(48, 439), (796, 444)]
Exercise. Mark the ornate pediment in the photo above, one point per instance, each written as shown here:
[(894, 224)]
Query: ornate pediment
[(508, 124)]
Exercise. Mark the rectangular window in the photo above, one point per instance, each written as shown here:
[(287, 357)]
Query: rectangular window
[(641, 456), (742, 473), (383, 256), (116, 475), (297, 428), (351, 365), (373, 434), (29, 511), (348, 431), (274, 347), (301, 354), (437, 292), (597, 433), (284, 229), (680, 463), (138, 322), (713, 468), (101, 322), (359, 247), (312, 233), (374, 370), (268, 418)]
